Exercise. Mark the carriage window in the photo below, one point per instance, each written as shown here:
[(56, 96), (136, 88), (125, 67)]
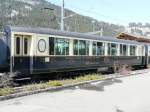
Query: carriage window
[(61, 46), (82, 47), (51, 45), (25, 46), (112, 49), (75, 47), (67, 46), (123, 50), (87, 47), (18, 45), (132, 50), (94, 48), (109, 49), (100, 48), (142, 51)]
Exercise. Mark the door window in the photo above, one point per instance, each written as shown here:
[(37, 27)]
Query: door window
[(18, 45), (25, 46), (22, 45)]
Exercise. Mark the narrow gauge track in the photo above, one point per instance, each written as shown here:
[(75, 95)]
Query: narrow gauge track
[(19, 91), (108, 76), (57, 76), (18, 82), (62, 75), (52, 76)]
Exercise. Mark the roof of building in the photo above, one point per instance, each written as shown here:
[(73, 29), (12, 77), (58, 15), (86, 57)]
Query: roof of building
[(66, 33), (127, 36)]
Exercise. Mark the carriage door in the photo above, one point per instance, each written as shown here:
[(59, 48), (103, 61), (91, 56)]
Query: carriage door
[(22, 53)]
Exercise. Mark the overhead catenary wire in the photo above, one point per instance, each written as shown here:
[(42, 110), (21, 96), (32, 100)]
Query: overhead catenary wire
[(105, 17)]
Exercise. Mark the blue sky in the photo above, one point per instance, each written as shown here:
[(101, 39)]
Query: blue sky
[(114, 11)]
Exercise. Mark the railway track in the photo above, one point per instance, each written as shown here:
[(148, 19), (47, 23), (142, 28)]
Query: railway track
[(22, 91), (28, 81), (109, 76)]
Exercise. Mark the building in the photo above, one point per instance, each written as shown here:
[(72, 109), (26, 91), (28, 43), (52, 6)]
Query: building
[(127, 36)]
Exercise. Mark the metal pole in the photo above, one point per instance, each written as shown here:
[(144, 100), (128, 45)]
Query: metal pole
[(75, 24), (101, 32), (93, 23), (9, 8), (93, 27), (50, 9), (62, 16)]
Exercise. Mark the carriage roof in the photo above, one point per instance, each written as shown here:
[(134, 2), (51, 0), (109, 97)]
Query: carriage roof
[(49, 31)]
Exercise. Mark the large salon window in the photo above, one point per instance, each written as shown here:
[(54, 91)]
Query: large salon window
[(81, 47), (94, 46), (132, 50), (123, 50), (100, 48), (75, 47), (61, 46), (112, 49), (17, 45)]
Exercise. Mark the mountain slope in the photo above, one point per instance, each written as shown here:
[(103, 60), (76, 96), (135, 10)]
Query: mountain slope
[(32, 13)]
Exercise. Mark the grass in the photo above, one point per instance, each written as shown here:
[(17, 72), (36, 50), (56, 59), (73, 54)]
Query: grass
[(35, 86), (53, 83), (83, 78), (6, 91), (89, 77)]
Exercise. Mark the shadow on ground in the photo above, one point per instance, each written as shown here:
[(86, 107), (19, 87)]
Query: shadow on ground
[(100, 86), (118, 110)]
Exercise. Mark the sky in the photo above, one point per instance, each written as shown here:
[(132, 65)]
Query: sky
[(114, 11)]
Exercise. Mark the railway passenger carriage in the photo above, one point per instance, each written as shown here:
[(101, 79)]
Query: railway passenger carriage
[(40, 50)]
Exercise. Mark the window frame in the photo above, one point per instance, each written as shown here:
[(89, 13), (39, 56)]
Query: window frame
[(135, 50), (122, 53), (109, 50), (18, 47), (82, 47), (75, 47), (22, 45), (51, 45), (45, 46), (102, 49), (87, 43), (94, 53), (65, 41)]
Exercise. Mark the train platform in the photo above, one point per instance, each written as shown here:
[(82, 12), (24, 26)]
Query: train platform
[(122, 94)]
